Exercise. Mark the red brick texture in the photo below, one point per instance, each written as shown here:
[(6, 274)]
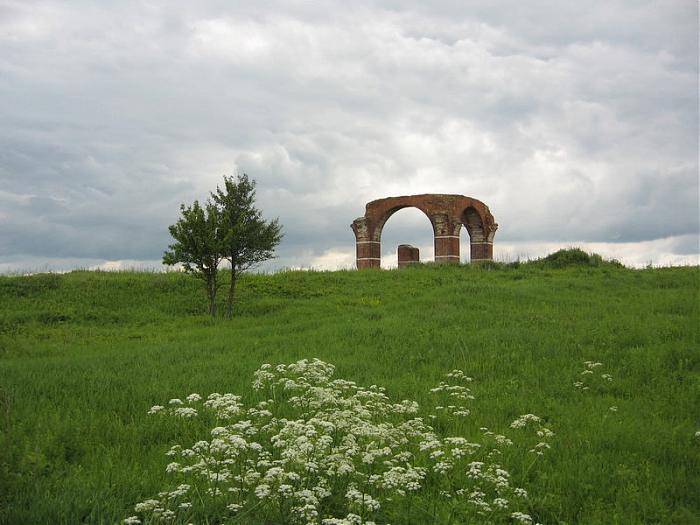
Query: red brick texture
[(408, 255), (447, 214)]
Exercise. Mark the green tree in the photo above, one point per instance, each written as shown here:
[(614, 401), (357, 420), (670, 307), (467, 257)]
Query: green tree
[(247, 239), (198, 243)]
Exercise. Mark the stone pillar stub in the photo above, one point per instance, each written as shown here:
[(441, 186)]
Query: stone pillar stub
[(408, 255)]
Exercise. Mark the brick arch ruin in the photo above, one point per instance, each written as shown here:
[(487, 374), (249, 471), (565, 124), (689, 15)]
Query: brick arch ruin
[(447, 215)]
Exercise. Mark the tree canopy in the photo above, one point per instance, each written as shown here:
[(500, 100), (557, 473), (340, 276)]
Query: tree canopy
[(229, 227), (246, 238), (197, 246)]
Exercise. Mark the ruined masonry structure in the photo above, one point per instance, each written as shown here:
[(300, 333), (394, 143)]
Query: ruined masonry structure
[(447, 214), (408, 255)]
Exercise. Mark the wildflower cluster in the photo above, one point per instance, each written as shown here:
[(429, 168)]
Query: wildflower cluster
[(457, 395), (324, 451), (592, 374), (535, 423)]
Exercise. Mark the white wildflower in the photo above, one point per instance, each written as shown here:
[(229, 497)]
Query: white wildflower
[(521, 518), (147, 505), (442, 467), (185, 412), (475, 469), (544, 432), (502, 440), (362, 500), (285, 490), (262, 491), (500, 503), (458, 374), (181, 490), (523, 420)]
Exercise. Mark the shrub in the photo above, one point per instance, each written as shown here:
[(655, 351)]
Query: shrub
[(575, 257), (568, 257)]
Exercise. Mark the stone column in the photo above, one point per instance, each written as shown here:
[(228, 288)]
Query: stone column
[(446, 233), (482, 246), (368, 251)]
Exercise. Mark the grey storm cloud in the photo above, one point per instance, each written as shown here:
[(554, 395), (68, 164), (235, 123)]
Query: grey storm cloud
[(572, 121)]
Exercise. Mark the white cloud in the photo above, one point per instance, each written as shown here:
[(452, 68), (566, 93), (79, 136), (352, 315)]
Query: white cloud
[(671, 251)]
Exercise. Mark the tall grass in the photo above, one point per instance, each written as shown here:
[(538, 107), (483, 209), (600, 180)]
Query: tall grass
[(83, 356)]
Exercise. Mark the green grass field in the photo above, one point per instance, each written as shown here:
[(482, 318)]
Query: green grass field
[(84, 355)]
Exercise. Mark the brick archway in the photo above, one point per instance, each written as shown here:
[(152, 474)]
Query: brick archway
[(447, 214)]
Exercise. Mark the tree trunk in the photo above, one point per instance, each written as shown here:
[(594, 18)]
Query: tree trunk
[(211, 293), (231, 293), (212, 305)]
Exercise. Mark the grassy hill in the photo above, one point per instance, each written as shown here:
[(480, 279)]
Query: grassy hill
[(84, 355)]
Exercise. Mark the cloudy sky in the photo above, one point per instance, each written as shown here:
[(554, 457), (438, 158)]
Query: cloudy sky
[(575, 122)]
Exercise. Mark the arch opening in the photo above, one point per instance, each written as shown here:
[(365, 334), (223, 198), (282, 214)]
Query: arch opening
[(464, 256), (405, 225), (473, 225)]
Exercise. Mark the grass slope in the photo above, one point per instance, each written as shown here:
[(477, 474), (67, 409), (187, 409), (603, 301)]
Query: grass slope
[(84, 355)]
